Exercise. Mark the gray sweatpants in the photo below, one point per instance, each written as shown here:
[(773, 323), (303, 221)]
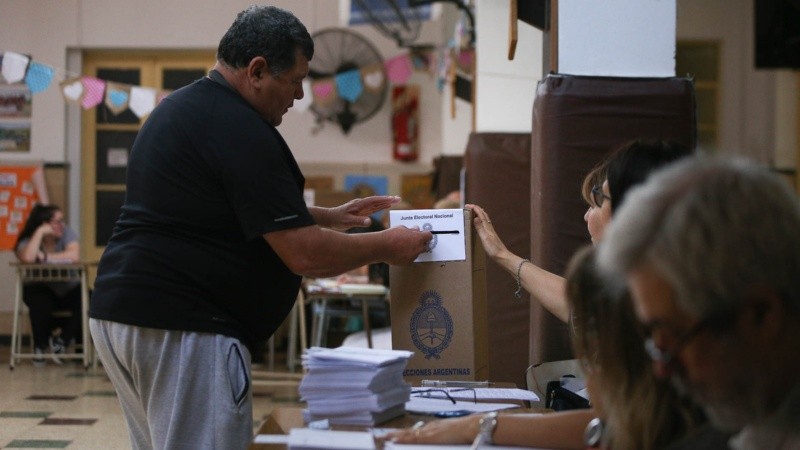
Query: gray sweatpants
[(178, 390)]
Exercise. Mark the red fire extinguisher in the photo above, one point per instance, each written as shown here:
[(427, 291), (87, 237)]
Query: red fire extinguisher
[(405, 122)]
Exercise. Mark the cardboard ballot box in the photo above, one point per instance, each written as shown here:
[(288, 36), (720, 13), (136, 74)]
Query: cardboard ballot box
[(438, 306)]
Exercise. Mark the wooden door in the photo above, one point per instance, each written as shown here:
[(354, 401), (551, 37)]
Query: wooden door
[(107, 138)]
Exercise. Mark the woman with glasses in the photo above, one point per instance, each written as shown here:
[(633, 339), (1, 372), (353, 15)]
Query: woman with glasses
[(631, 407), (604, 190), (45, 238)]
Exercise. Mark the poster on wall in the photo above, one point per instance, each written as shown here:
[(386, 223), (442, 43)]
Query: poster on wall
[(367, 185), (417, 190), (21, 187), (15, 118)]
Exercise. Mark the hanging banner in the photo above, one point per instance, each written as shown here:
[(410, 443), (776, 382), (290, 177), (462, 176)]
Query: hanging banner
[(349, 85), (117, 96), (72, 90), (398, 69), (143, 101), (14, 67), (93, 92), (373, 77), (324, 91), (39, 77)]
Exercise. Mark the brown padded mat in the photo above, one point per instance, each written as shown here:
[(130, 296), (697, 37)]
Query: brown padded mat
[(498, 179), (577, 121)]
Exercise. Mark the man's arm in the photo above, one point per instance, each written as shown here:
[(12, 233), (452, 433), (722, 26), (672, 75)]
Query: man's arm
[(354, 213), (314, 251)]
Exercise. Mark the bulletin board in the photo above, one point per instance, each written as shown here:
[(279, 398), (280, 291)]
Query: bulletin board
[(21, 186)]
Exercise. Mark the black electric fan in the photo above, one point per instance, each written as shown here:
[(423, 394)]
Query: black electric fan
[(339, 50)]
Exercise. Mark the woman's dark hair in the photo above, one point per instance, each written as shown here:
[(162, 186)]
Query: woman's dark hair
[(39, 215), (630, 165), (266, 31)]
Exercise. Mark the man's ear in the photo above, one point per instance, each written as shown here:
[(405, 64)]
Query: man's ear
[(765, 311), (257, 70)]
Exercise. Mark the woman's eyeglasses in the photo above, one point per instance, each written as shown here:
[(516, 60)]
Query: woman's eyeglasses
[(444, 393), (598, 197)]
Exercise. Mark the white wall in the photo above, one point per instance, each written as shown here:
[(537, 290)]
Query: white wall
[(505, 89), (621, 38), (48, 29), (747, 106)]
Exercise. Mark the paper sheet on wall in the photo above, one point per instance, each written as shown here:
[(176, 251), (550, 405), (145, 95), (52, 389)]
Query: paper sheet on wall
[(449, 244)]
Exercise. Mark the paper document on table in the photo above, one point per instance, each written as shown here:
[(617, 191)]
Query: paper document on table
[(271, 439), (447, 226), (460, 393), (396, 446), (308, 439), (417, 405)]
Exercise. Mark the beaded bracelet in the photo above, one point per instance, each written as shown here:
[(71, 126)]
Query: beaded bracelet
[(518, 293)]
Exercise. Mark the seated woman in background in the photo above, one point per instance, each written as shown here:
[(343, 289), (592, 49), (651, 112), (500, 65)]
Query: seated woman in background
[(634, 409), (47, 239), (375, 273), (604, 190)]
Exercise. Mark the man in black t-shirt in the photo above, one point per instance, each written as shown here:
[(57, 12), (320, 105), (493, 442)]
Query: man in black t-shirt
[(207, 255)]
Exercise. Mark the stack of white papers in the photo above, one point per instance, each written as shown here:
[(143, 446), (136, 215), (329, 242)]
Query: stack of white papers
[(354, 386)]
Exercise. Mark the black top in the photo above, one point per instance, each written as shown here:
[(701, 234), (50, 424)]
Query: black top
[(207, 177)]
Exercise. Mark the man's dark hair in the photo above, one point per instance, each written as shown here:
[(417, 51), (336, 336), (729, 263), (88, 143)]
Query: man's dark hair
[(266, 31)]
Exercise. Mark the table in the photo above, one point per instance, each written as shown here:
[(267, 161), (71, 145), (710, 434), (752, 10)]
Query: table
[(52, 272), (319, 293), (284, 418)]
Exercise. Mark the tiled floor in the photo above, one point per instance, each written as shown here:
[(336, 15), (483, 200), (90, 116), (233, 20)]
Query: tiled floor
[(67, 407)]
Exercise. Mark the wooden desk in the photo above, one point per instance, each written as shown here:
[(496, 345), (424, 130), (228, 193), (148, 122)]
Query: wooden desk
[(44, 272), (285, 418), (319, 294)]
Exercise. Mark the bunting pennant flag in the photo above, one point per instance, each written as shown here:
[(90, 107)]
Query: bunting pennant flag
[(72, 90), (143, 101), (324, 91), (14, 66), (89, 91), (93, 90), (398, 69), (421, 59), (117, 96), (349, 85), (373, 78), (39, 77)]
